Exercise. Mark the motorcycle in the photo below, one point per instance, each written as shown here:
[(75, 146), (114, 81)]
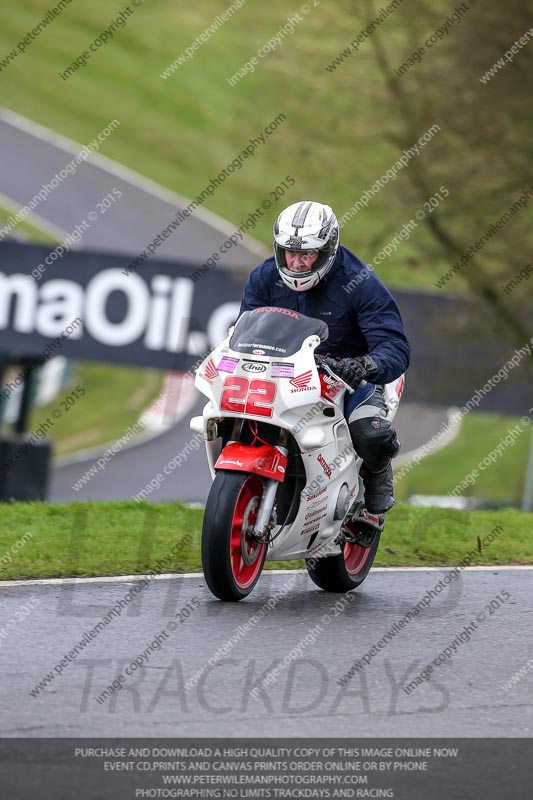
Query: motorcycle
[(285, 474)]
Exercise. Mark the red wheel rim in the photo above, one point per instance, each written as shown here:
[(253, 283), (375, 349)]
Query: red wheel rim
[(355, 558), (246, 553)]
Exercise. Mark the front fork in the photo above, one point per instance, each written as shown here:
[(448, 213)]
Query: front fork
[(265, 521)]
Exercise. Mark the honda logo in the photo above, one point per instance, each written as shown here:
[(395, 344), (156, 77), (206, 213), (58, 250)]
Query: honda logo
[(301, 382)]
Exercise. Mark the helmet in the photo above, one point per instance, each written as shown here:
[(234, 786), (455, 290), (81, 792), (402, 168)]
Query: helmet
[(306, 226)]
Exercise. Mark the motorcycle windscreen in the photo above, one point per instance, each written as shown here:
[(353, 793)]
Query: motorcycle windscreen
[(275, 331)]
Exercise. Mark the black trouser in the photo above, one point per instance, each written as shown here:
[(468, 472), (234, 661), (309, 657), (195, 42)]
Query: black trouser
[(376, 443)]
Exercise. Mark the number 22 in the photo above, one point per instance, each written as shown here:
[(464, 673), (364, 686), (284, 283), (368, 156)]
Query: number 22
[(248, 397)]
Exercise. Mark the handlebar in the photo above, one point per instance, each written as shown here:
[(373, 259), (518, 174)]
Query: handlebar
[(319, 361)]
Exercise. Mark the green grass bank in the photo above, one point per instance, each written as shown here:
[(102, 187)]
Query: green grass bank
[(88, 539)]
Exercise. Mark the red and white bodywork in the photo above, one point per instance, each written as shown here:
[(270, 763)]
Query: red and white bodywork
[(265, 372)]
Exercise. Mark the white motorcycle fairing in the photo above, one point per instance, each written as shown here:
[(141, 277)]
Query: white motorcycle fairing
[(262, 373)]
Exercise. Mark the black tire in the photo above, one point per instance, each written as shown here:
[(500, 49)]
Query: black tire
[(346, 571), (230, 572)]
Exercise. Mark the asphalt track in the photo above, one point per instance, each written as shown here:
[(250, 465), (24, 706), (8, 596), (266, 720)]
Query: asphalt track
[(36, 155), (132, 470), (465, 696)]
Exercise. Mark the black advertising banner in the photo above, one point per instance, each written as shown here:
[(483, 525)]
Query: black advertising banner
[(458, 359), (101, 307), (406, 769)]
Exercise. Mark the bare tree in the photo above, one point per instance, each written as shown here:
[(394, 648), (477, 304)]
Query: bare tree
[(484, 154)]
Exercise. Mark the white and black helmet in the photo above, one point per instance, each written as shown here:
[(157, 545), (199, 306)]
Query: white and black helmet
[(306, 226)]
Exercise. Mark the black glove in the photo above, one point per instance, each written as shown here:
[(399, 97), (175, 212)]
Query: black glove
[(353, 370)]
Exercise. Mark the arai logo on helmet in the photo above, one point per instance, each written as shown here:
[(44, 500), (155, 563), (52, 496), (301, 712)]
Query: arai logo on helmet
[(295, 242), (253, 366)]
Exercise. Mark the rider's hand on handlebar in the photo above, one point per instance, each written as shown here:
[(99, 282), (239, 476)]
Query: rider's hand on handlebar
[(352, 370)]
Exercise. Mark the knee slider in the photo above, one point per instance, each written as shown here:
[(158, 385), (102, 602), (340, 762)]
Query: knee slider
[(375, 440)]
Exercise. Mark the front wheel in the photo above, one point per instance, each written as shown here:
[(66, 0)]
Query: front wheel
[(231, 559), (346, 571)]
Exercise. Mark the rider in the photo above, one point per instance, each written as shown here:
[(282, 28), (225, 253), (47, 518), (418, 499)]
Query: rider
[(366, 338)]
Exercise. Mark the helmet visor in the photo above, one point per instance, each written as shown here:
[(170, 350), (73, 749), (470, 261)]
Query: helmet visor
[(300, 262)]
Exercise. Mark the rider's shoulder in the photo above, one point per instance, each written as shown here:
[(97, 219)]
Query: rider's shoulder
[(354, 271), (358, 280), (266, 271)]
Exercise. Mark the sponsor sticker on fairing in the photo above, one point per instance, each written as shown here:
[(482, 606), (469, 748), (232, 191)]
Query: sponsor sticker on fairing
[(400, 386), (254, 366), (329, 387), (317, 494), (223, 461), (261, 347), (210, 371), (301, 382), (318, 512), (228, 364), (324, 464), (282, 369)]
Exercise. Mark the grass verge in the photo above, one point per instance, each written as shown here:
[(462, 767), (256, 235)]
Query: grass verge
[(86, 539), (94, 419), (27, 231), (481, 434)]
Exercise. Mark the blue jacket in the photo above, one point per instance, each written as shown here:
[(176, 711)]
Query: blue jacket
[(359, 310)]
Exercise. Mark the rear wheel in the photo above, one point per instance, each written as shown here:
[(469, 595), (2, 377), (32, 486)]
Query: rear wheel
[(232, 560), (346, 571)]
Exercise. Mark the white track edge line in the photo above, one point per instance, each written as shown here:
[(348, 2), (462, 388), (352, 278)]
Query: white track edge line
[(125, 173), (93, 453), (441, 441), (172, 575), (39, 222)]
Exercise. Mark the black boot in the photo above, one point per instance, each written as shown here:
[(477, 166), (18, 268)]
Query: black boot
[(378, 490)]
